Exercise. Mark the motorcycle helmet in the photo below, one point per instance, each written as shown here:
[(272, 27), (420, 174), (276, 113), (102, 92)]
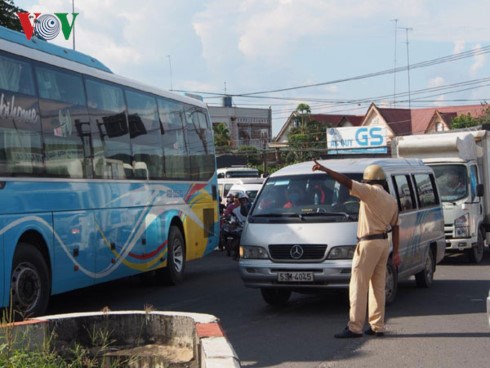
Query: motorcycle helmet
[(241, 195)]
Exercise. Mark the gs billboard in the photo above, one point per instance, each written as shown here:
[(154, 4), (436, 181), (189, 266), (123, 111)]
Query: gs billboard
[(356, 140)]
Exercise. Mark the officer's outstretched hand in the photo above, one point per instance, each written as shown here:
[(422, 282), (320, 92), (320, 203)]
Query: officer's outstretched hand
[(318, 166)]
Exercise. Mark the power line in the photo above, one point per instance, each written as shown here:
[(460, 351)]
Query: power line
[(423, 64)]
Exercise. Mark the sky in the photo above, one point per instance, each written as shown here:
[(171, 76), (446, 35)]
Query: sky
[(338, 56)]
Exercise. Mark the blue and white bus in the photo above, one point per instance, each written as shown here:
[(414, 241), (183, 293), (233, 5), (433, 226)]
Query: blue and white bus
[(101, 177)]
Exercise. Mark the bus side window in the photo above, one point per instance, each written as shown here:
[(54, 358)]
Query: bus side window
[(174, 149), (16, 76)]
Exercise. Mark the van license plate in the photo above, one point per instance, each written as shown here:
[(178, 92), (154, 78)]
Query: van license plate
[(295, 276)]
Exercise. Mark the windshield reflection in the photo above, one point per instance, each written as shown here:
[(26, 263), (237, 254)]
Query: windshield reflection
[(306, 196), (451, 181)]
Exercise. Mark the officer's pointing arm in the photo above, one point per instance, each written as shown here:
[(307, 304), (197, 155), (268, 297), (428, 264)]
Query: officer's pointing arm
[(341, 178)]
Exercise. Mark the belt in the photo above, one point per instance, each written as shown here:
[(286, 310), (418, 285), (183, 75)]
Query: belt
[(373, 237)]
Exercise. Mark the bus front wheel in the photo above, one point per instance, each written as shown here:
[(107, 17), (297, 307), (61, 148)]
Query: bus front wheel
[(29, 282), (173, 273)]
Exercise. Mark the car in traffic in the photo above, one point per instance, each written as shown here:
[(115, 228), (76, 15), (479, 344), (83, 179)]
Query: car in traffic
[(300, 234)]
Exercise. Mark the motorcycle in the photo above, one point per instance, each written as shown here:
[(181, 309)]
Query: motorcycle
[(231, 231)]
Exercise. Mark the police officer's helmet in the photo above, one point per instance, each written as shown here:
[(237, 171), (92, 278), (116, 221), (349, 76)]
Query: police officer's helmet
[(374, 173)]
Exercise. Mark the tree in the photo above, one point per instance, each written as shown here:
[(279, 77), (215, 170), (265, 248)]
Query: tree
[(8, 16), (464, 121), (222, 139), (252, 153), (306, 137), (467, 121)]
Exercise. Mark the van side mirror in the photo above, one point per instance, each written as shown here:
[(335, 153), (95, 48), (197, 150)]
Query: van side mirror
[(479, 190)]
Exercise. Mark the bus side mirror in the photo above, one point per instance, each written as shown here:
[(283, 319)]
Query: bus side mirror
[(479, 190)]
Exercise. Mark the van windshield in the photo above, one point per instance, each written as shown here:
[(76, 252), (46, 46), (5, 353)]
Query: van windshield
[(305, 196)]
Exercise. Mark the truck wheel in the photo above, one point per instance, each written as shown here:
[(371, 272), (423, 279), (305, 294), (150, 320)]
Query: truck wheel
[(475, 254), (391, 283), (30, 282), (275, 297), (425, 277), (173, 273)]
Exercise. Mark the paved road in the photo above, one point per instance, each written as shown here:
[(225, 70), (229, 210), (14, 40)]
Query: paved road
[(445, 326)]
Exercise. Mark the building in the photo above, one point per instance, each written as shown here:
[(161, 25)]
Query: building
[(417, 121), (247, 126), (328, 120), (397, 121)]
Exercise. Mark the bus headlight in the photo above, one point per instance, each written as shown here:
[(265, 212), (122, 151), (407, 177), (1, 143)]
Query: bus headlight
[(342, 252), (461, 227), (253, 253)]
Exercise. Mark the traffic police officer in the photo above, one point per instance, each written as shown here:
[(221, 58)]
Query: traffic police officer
[(378, 213)]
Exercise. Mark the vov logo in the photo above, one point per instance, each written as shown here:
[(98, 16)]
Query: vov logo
[(46, 26)]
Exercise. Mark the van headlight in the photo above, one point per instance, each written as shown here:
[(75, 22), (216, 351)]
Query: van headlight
[(342, 252), (253, 253), (461, 227)]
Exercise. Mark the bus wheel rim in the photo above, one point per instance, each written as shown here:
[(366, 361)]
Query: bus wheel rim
[(26, 287)]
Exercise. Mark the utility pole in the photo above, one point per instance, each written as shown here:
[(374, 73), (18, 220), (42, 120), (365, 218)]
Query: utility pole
[(408, 62), (73, 15), (394, 65)]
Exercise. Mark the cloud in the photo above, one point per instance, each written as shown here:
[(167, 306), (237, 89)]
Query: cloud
[(479, 61), (458, 46), (437, 82), (264, 45)]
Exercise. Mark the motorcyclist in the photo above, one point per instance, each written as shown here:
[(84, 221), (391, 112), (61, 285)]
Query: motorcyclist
[(241, 212), (232, 203)]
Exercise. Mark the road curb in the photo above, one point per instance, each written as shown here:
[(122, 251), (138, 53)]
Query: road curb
[(200, 334)]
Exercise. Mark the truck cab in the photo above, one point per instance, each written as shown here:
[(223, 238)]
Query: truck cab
[(460, 163), (461, 195)]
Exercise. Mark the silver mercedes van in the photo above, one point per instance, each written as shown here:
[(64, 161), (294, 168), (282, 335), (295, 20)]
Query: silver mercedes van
[(300, 234)]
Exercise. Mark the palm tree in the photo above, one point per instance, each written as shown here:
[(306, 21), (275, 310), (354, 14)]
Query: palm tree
[(222, 139), (298, 136), (303, 112)]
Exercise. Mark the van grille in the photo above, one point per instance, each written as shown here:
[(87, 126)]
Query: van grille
[(311, 252)]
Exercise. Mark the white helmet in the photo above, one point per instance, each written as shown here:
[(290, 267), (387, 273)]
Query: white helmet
[(374, 172), (241, 195)]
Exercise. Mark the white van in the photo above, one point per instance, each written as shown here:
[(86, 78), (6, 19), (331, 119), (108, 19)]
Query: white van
[(224, 185), (308, 243), (249, 189), (237, 172)]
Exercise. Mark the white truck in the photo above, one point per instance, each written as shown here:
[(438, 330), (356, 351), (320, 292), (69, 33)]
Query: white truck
[(460, 160)]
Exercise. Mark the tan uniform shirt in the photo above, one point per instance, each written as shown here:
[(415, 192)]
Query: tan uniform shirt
[(378, 209)]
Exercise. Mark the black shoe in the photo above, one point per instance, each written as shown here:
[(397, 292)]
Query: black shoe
[(371, 332), (347, 334)]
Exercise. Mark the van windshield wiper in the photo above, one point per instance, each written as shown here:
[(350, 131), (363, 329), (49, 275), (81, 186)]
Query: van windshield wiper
[(329, 214), (279, 214)]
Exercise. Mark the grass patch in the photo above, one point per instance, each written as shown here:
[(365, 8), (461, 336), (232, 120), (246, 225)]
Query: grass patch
[(17, 350)]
